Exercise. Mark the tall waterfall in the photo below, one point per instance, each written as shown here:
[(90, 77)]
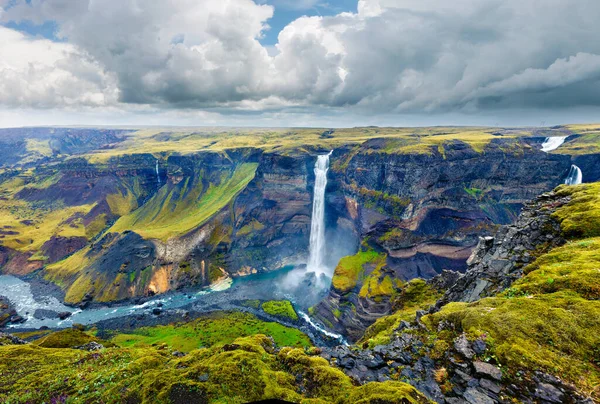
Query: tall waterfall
[(157, 173), (553, 143), (317, 225), (575, 176)]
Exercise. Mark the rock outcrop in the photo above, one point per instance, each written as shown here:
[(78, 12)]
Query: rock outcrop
[(498, 260)]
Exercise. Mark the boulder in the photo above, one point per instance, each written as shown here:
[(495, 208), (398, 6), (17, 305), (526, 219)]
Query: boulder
[(487, 370), (463, 346)]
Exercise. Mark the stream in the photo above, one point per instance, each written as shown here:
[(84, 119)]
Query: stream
[(294, 284)]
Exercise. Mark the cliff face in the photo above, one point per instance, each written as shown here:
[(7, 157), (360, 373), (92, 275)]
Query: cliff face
[(426, 212), (212, 214)]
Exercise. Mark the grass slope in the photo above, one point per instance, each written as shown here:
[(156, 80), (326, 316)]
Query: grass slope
[(219, 328), (176, 210)]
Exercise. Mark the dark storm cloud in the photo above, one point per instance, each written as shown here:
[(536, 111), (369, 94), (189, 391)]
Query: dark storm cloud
[(392, 56)]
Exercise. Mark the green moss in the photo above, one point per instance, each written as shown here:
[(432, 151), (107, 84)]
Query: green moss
[(581, 216), (415, 295), (255, 304), (95, 226), (246, 370), (377, 284), (216, 329), (251, 227), (350, 270), (474, 192), (380, 201), (571, 267), (281, 308), (68, 338)]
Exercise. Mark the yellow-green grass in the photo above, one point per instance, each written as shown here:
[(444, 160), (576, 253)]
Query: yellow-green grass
[(377, 285), (216, 329), (68, 338), (280, 308), (247, 370), (584, 127), (45, 223), (581, 216), (41, 147), (188, 141), (350, 270), (550, 318), (176, 210), (124, 201), (415, 295), (26, 226), (587, 143), (251, 227), (63, 270), (574, 267)]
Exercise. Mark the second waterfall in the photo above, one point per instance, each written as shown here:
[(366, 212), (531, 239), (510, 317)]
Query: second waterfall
[(317, 226)]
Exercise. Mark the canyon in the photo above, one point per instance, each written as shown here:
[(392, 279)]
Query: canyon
[(382, 247)]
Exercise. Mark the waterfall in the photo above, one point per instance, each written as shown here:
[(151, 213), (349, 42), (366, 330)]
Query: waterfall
[(553, 143), (157, 173), (575, 176), (317, 225)]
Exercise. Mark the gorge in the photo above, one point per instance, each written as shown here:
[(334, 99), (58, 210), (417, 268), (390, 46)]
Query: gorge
[(350, 226)]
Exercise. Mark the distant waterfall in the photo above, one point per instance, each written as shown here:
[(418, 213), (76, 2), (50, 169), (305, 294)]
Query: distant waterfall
[(317, 225), (575, 176), (553, 143), (157, 173)]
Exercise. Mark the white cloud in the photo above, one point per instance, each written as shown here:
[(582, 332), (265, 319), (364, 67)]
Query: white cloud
[(43, 74), (391, 56)]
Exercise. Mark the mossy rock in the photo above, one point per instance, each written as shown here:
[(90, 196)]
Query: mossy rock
[(350, 271), (280, 308), (69, 338)]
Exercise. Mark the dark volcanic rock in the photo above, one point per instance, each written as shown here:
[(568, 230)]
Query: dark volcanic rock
[(58, 247), (7, 311), (41, 314), (498, 261)]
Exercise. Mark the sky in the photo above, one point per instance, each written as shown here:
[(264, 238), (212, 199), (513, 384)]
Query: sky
[(334, 63)]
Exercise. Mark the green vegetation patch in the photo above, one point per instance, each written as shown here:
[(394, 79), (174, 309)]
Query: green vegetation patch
[(280, 308), (216, 329), (177, 209), (68, 338), (248, 369), (581, 216), (350, 270), (574, 266), (415, 295)]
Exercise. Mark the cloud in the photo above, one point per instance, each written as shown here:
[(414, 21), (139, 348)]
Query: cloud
[(43, 74), (390, 57), (292, 4)]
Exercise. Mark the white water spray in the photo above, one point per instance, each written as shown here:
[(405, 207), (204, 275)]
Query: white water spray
[(553, 143), (157, 173), (317, 225), (575, 176)]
